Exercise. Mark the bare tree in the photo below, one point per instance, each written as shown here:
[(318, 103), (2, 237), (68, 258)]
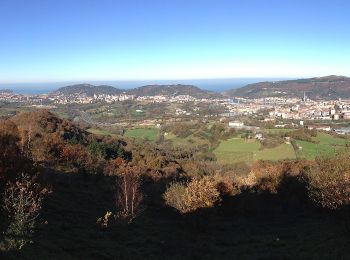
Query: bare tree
[(129, 196)]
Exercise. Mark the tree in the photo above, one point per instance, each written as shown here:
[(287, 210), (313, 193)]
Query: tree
[(78, 156), (129, 196), (106, 149)]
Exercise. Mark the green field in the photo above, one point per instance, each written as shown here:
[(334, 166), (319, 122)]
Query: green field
[(190, 140), (327, 145), (100, 132), (144, 133), (237, 149)]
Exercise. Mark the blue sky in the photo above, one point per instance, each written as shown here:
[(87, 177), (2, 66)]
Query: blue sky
[(86, 40)]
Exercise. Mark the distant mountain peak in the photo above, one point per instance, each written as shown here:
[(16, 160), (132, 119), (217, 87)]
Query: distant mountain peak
[(89, 90)]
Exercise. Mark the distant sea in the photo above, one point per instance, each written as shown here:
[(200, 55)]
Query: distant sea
[(215, 85)]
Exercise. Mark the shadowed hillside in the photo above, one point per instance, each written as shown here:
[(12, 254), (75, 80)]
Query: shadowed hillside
[(94, 197)]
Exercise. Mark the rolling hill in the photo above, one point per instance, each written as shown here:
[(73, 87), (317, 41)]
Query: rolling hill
[(171, 90), (149, 90), (329, 87), (89, 90)]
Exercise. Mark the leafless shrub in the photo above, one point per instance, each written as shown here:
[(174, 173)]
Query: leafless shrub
[(174, 196), (23, 202)]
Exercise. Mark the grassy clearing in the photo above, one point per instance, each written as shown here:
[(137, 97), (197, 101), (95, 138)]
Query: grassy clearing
[(237, 149), (327, 146), (97, 131), (4, 111), (144, 133), (190, 140)]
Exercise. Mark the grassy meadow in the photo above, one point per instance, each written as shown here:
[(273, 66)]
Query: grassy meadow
[(326, 145), (143, 133), (237, 149), (191, 139)]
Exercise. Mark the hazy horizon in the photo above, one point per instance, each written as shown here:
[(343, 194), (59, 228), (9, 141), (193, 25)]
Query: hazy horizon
[(215, 85)]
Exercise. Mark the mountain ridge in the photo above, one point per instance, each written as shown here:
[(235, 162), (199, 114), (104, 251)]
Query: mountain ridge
[(148, 90), (88, 89), (327, 87)]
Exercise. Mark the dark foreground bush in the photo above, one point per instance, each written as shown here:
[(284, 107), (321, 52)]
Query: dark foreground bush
[(329, 181), (22, 202)]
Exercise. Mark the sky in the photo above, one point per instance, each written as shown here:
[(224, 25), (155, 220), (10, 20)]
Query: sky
[(102, 40)]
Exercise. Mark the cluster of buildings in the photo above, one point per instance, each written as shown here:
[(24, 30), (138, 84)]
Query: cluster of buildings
[(292, 108), (11, 97), (173, 99), (276, 107), (324, 110), (85, 99)]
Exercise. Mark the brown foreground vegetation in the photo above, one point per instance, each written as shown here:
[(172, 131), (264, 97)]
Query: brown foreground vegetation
[(90, 197)]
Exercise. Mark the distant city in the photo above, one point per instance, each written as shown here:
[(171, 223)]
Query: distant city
[(298, 108)]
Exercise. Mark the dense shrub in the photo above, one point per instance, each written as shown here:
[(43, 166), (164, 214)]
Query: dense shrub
[(241, 168), (329, 181), (182, 130), (271, 142), (174, 196), (196, 194), (269, 176), (303, 134), (78, 157), (12, 152), (226, 186), (106, 150), (198, 168)]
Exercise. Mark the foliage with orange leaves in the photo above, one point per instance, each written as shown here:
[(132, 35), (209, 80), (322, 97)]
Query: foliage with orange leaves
[(12, 160), (196, 194), (78, 157)]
